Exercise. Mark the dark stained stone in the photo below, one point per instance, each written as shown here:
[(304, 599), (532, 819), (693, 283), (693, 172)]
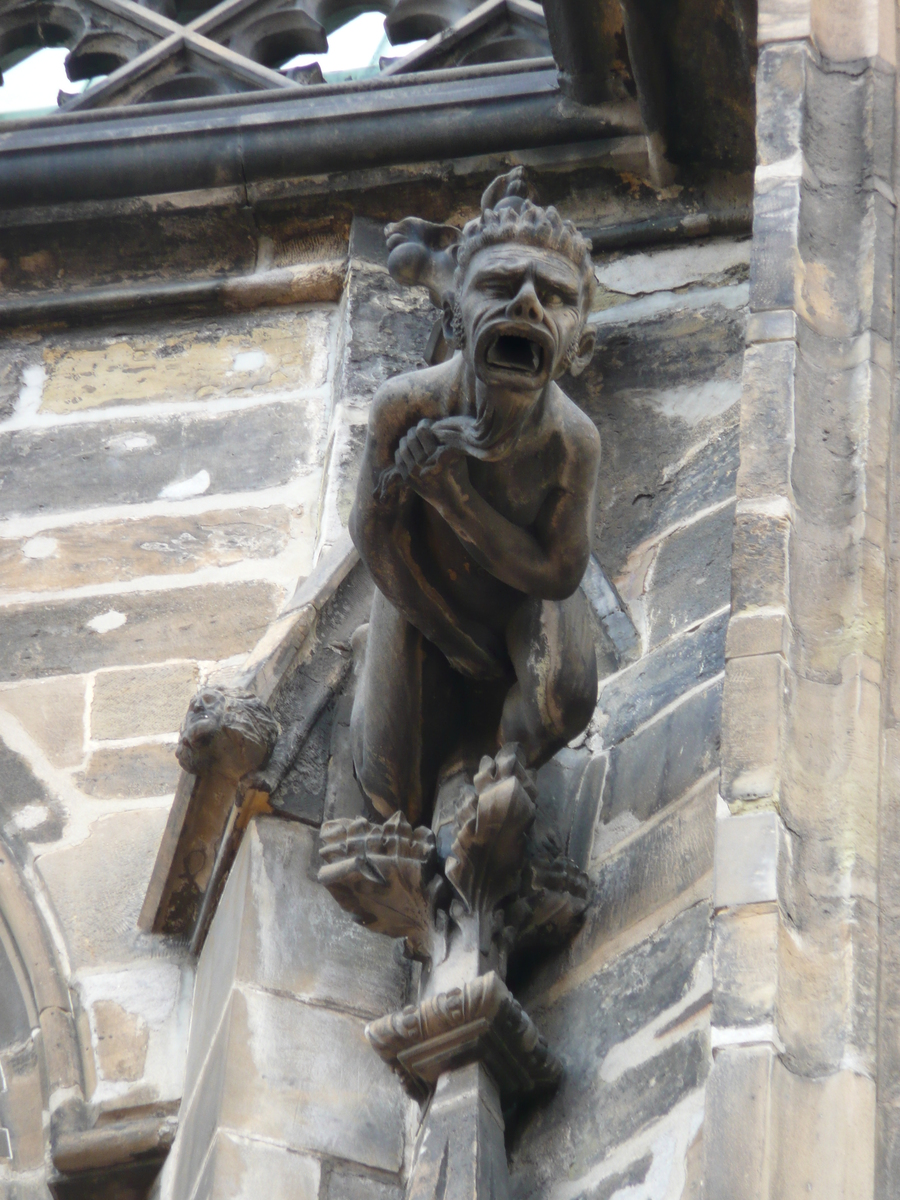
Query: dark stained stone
[(563, 1138), (659, 762), (691, 576), (128, 462), (634, 695), (200, 622), (18, 789), (657, 467)]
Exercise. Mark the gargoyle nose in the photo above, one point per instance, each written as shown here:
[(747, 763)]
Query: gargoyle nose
[(526, 306)]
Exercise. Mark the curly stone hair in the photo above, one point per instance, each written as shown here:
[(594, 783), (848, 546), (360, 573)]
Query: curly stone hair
[(509, 213)]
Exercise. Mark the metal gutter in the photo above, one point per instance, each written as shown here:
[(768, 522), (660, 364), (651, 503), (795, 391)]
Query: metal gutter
[(138, 152)]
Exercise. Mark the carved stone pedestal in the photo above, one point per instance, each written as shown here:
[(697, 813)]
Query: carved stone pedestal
[(468, 1042), (460, 1152)]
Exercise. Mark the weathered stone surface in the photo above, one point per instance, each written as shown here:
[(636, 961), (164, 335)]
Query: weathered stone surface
[(776, 211), (713, 262), (84, 555), (211, 622), (691, 575), (135, 703), (306, 1077), (823, 1143), (85, 465), (668, 451), (631, 697), (120, 1042), (737, 1123), (780, 77), (760, 562), (131, 771), (767, 403), (747, 849), (275, 927), (241, 1168), (783, 20), (601, 1103), (98, 908), (52, 714), (751, 726), (264, 353), (746, 973), (344, 1186), (664, 758), (655, 865)]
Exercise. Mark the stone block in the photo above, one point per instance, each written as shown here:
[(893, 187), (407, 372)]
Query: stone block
[(736, 1138), (747, 850), (776, 325), (345, 1186), (307, 1077), (52, 714), (780, 84), (746, 968), (660, 861), (31, 813), (635, 695), (882, 293), (759, 562), (128, 772), (141, 702), (665, 757), (714, 262), (240, 1168), (261, 354), (834, 275), (210, 622), (837, 139), (751, 726), (277, 928), (758, 633), (776, 218), (107, 551), (691, 576), (767, 404), (844, 30), (134, 461), (97, 887), (823, 1135), (783, 21)]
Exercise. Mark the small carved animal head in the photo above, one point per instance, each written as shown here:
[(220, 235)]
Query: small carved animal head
[(232, 731)]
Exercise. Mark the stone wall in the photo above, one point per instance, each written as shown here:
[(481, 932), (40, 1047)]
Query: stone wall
[(167, 480)]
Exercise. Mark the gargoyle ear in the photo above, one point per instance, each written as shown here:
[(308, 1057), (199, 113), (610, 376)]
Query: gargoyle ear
[(448, 313), (584, 351)]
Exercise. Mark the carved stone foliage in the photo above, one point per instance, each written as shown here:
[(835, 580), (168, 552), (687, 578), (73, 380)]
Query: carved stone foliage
[(182, 49)]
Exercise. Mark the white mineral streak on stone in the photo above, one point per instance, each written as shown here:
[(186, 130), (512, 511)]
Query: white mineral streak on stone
[(731, 297), (30, 817), (130, 442), (667, 1140), (650, 1041), (40, 547), (107, 621), (249, 360), (666, 270), (182, 489), (29, 401), (696, 402)]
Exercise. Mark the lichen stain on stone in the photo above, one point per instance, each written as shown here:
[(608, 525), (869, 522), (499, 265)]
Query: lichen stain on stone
[(286, 351)]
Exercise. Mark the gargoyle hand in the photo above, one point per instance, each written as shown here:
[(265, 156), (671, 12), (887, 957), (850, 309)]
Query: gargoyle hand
[(438, 473)]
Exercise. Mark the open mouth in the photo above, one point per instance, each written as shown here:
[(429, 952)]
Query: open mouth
[(512, 353)]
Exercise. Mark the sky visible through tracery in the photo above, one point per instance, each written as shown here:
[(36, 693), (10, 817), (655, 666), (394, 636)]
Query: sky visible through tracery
[(30, 88)]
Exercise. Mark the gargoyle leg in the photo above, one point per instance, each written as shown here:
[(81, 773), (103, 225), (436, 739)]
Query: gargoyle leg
[(551, 646)]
